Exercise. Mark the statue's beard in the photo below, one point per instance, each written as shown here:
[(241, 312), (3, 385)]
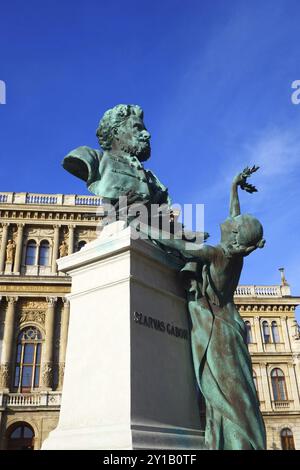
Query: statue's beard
[(142, 150)]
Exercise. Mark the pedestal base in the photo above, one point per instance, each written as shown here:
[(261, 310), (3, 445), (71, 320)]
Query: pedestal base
[(129, 380)]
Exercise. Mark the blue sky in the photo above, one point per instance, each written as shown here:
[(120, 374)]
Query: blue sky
[(214, 79)]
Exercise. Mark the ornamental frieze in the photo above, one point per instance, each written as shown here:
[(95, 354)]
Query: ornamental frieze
[(32, 316), (265, 308), (41, 289), (33, 304)]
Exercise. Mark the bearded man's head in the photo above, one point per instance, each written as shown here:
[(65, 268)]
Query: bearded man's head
[(122, 129)]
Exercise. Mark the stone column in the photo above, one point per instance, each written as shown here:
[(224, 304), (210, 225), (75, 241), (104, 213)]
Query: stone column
[(19, 245), (266, 386), (63, 341), (294, 386), (71, 239), (285, 332), (47, 362), (55, 248), (7, 346), (3, 247), (258, 334)]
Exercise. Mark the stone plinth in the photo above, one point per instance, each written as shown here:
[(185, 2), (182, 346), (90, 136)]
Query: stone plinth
[(129, 381)]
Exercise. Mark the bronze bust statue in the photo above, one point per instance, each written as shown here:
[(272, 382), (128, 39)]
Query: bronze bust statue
[(118, 170)]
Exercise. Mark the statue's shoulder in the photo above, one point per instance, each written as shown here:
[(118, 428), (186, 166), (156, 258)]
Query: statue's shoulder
[(82, 162)]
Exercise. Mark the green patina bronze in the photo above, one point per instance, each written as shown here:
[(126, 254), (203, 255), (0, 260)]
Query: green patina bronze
[(118, 170), (222, 362)]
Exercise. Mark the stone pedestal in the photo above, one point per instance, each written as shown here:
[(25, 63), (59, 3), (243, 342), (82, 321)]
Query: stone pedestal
[(129, 381), (8, 268)]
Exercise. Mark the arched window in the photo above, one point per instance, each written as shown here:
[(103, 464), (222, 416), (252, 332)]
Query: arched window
[(28, 361), (255, 382), (287, 439), (20, 436), (44, 253), (278, 385), (81, 244), (30, 253), (266, 332), (275, 332), (249, 332)]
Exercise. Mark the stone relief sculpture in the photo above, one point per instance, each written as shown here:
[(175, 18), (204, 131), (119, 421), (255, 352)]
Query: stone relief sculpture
[(222, 362)]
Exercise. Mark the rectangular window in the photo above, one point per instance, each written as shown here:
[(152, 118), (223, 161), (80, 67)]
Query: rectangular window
[(37, 377), (28, 354), (26, 376), (17, 377), (281, 390)]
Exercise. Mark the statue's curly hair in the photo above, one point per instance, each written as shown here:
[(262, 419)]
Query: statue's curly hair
[(112, 119)]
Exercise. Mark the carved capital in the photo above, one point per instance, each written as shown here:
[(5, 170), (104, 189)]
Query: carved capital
[(51, 301), (47, 375), (12, 300), (5, 375), (66, 302)]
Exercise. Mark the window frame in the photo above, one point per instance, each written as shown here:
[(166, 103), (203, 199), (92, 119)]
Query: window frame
[(287, 441), (33, 243), (276, 336), (265, 324), (255, 381), (35, 364), (40, 246), (275, 382), (249, 337), (14, 443)]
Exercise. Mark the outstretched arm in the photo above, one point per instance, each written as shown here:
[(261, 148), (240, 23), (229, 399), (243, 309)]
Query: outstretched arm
[(240, 180)]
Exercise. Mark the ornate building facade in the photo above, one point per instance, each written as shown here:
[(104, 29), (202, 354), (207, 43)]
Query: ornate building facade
[(274, 343), (37, 229)]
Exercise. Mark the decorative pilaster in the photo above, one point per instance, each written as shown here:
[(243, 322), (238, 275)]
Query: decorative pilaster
[(296, 363), (294, 385), (63, 341), (266, 386), (3, 246), (285, 331), (47, 367), (5, 376), (55, 248), (19, 245), (71, 239), (258, 334), (7, 347)]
